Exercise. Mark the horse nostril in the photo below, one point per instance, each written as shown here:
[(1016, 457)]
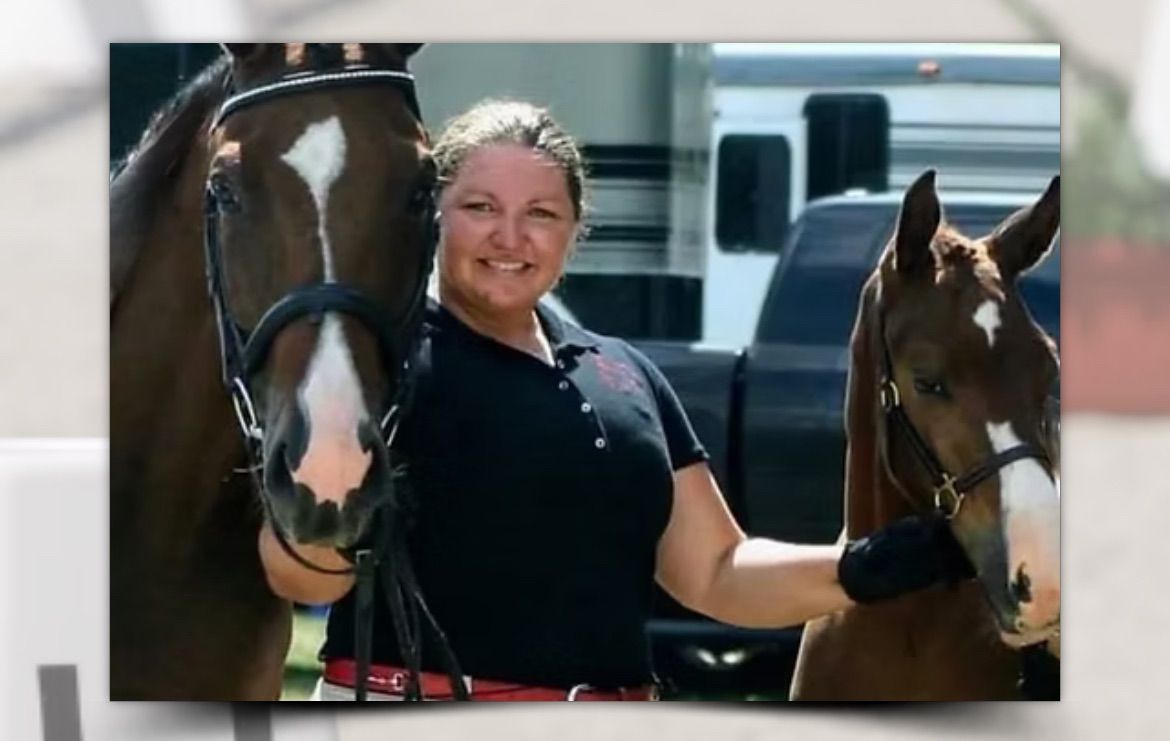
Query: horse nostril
[(1022, 587)]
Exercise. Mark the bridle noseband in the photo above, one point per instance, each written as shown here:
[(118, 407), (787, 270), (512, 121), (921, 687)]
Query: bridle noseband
[(243, 352), (949, 491)]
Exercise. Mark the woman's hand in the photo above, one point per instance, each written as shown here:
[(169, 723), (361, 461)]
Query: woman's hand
[(904, 556), (292, 581)]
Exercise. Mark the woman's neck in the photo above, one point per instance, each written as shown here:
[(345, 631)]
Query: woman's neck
[(520, 329)]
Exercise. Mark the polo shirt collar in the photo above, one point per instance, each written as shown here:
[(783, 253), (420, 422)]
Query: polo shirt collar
[(562, 335)]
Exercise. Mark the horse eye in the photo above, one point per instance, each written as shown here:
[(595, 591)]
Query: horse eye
[(225, 193), (421, 196), (931, 387)]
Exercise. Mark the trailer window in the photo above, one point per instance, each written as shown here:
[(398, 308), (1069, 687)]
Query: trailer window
[(848, 143), (752, 192)]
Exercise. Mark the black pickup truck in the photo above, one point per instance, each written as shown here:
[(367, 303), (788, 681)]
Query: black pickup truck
[(771, 415)]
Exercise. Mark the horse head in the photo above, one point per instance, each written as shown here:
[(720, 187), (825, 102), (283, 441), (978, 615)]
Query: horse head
[(319, 214), (965, 380)]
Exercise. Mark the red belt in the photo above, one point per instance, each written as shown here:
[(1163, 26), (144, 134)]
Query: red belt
[(391, 680)]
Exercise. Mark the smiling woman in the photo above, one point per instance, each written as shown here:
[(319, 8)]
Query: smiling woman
[(509, 225), (511, 216)]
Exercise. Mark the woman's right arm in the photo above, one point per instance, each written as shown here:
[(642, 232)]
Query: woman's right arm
[(294, 582)]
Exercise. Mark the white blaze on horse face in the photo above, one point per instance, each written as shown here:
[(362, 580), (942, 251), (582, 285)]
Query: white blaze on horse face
[(331, 400), (318, 156), (1030, 502), (987, 317), (331, 395)]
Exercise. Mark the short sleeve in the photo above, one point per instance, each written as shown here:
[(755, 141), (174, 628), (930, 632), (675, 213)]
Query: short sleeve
[(682, 443)]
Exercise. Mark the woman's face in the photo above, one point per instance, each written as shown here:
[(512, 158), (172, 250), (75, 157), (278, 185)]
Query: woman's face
[(507, 225)]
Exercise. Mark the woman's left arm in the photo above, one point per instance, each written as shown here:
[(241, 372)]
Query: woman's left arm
[(707, 563)]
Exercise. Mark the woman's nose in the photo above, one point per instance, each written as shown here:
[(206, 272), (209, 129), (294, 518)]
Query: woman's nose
[(509, 234)]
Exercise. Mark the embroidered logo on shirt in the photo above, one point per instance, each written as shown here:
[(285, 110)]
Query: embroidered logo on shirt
[(617, 375)]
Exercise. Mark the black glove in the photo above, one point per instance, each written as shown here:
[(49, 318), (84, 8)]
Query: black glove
[(904, 556)]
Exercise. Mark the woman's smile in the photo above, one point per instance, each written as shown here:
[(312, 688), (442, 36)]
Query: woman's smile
[(506, 266)]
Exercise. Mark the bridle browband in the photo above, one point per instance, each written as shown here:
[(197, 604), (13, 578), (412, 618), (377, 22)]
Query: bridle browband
[(242, 354), (303, 82), (948, 490)]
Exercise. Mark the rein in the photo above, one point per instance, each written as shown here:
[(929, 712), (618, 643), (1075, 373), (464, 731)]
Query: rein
[(242, 354)]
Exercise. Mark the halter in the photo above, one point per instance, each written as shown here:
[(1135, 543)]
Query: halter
[(949, 491), (243, 351)]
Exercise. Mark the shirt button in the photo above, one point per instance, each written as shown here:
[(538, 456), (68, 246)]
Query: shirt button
[(586, 407), (599, 443), (561, 364), (563, 385)]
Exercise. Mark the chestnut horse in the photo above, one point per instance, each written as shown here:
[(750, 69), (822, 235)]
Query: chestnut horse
[(292, 183), (947, 408)]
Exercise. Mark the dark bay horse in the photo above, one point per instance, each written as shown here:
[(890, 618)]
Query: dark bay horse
[(947, 407), (292, 183)]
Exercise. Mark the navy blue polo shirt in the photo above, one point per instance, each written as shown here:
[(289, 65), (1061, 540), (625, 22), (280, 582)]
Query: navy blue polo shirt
[(541, 494)]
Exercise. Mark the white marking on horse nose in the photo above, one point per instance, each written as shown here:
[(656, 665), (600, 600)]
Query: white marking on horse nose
[(987, 317), (331, 397), (318, 156), (1030, 502)]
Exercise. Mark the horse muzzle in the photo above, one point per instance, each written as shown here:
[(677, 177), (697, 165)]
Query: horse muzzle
[(324, 488)]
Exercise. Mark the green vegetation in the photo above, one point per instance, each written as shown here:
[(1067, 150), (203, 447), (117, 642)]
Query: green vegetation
[(1108, 190), (301, 667)]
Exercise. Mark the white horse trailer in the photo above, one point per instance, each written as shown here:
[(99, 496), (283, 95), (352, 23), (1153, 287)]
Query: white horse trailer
[(793, 122)]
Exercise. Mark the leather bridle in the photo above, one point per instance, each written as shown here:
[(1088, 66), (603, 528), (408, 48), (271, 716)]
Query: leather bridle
[(243, 352), (948, 490)]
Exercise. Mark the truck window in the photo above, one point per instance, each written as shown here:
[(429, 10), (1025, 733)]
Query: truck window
[(848, 143), (813, 298), (752, 194)]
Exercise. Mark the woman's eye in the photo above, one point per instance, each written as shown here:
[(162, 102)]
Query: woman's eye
[(931, 387), (481, 207), (543, 213)]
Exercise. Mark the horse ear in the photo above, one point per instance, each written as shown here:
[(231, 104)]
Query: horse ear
[(1026, 236), (398, 52), (243, 52), (408, 50), (917, 223)]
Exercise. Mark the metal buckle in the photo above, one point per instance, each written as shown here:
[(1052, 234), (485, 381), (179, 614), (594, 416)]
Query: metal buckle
[(888, 394), (245, 412), (944, 491), (389, 425), (398, 681)]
